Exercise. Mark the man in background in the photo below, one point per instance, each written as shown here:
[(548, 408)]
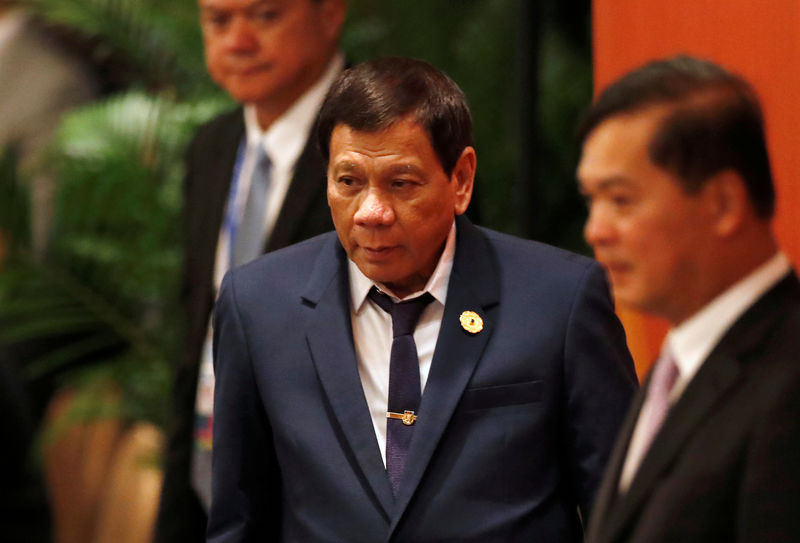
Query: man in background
[(254, 183), (676, 174)]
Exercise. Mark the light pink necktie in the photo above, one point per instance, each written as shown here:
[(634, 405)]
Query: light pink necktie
[(657, 403)]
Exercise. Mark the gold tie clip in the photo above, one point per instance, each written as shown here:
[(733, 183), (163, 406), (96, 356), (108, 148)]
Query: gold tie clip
[(408, 417)]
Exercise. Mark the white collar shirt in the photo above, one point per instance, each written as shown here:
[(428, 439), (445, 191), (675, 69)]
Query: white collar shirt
[(372, 334), (691, 342)]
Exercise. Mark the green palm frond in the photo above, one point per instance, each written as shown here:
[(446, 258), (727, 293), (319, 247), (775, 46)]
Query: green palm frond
[(14, 209), (161, 39), (107, 287)]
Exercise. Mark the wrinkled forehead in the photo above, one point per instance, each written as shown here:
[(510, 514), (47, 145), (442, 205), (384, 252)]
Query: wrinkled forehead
[(402, 147)]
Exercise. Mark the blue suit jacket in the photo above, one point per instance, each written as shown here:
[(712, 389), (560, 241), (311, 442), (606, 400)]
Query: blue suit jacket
[(515, 425)]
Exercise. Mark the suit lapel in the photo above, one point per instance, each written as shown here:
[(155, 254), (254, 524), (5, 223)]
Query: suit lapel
[(474, 286), (308, 183), (213, 171), (719, 374), (330, 339)]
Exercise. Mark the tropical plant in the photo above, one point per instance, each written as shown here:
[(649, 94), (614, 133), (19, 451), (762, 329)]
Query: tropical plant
[(105, 291), (99, 308)]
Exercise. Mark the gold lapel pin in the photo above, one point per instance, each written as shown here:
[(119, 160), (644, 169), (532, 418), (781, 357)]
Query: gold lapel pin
[(471, 322)]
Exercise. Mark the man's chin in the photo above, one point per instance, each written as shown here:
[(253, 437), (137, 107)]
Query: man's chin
[(624, 298), (247, 90), (640, 302), (378, 273), (385, 274)]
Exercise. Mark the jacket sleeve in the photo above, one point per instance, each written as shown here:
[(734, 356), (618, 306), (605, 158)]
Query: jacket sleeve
[(245, 504), (769, 498), (599, 381)]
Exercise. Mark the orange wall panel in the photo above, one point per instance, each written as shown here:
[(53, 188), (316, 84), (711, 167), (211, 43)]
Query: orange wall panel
[(759, 40)]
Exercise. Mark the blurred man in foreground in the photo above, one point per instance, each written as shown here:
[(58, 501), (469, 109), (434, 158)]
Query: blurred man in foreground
[(411, 377), (255, 182), (677, 177)]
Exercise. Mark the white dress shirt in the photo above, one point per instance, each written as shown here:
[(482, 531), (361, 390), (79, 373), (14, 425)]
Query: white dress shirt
[(372, 334), (692, 341)]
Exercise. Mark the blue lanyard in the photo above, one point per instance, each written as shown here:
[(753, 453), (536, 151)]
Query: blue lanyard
[(231, 217)]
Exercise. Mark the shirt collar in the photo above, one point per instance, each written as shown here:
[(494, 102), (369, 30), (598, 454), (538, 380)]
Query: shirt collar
[(285, 138), (692, 341), (360, 284)]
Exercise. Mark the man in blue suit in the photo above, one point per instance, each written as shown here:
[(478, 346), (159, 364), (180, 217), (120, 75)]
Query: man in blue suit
[(486, 416)]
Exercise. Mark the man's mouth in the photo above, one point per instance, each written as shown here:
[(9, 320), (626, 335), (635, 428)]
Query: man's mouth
[(614, 267), (378, 251), (250, 69)]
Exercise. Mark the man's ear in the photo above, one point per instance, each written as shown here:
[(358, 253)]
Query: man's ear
[(464, 177), (728, 201)]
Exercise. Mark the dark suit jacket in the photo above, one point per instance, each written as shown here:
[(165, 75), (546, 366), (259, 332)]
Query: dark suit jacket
[(516, 422), (305, 213), (726, 464)]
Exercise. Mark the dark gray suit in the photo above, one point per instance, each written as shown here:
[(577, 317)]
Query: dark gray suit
[(210, 163), (726, 463)]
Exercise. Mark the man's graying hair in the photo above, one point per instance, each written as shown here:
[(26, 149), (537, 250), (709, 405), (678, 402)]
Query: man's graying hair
[(714, 122), (372, 96)]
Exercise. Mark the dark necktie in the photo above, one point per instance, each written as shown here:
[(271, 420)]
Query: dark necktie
[(404, 384)]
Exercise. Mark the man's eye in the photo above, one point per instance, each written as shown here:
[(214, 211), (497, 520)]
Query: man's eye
[(347, 181), (402, 183), (215, 20), (621, 200), (265, 15)]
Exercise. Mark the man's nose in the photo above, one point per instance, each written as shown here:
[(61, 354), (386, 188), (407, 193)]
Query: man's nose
[(599, 228), (374, 210), (241, 36)]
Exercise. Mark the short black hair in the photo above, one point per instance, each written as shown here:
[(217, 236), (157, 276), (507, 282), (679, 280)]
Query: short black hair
[(714, 122), (373, 95)]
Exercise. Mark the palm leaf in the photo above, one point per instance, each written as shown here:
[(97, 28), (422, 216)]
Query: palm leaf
[(14, 208), (107, 288), (161, 39)]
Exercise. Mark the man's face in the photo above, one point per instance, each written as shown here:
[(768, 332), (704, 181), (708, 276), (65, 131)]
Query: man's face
[(268, 51), (392, 203), (645, 229)]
